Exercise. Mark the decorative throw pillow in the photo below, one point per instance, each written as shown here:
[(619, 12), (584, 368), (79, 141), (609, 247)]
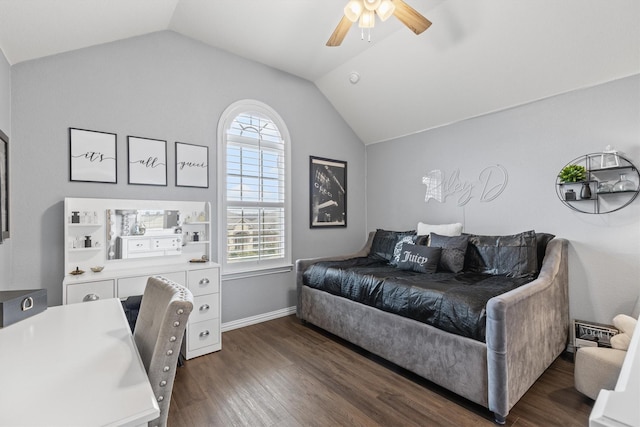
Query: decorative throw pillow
[(454, 249), (422, 259), (384, 242), (398, 249), (514, 255), (441, 229), (542, 240)]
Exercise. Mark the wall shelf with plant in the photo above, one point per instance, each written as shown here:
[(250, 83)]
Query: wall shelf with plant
[(598, 183)]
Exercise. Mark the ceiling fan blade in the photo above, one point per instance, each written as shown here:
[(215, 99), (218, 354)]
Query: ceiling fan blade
[(340, 32), (410, 17)]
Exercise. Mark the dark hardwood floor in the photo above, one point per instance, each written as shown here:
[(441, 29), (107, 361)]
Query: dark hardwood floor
[(284, 373)]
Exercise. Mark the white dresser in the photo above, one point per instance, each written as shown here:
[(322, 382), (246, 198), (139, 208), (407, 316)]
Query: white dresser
[(126, 273)]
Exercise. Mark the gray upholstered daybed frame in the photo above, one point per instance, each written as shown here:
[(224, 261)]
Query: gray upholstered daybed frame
[(527, 329)]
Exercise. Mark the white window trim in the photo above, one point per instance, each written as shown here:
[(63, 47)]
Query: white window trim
[(248, 269)]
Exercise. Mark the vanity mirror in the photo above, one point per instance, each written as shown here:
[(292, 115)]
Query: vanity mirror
[(128, 234), (143, 233)]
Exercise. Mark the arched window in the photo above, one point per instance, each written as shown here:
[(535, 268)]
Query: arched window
[(253, 189)]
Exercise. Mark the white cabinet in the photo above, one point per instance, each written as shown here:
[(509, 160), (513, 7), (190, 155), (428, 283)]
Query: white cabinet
[(129, 286), (91, 291), (203, 280), (91, 235), (203, 331)]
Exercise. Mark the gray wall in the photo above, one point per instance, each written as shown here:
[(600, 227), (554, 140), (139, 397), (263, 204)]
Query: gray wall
[(5, 125), (533, 142), (163, 86)]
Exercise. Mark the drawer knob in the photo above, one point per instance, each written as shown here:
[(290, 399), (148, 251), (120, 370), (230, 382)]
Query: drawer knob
[(91, 297), (204, 307), (204, 281), (204, 334)]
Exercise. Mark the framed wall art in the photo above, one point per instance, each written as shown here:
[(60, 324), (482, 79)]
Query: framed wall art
[(192, 165), (328, 192), (147, 161), (92, 156), (4, 186)]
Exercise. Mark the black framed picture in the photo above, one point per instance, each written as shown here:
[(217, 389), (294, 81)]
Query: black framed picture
[(328, 192), (147, 161), (92, 156), (4, 186), (192, 165)]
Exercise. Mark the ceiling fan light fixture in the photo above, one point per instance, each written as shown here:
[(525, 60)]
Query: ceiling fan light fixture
[(385, 10), (372, 4), (367, 19), (364, 12), (353, 10)]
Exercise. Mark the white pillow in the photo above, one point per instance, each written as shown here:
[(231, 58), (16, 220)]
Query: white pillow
[(449, 230)]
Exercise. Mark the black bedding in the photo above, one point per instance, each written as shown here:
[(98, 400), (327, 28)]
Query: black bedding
[(453, 302)]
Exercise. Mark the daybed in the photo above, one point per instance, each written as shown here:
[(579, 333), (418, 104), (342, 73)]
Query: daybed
[(517, 335)]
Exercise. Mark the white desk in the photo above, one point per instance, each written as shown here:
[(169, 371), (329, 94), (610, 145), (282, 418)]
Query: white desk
[(74, 365)]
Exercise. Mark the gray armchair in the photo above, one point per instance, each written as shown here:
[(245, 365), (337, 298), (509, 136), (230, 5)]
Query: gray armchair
[(158, 334)]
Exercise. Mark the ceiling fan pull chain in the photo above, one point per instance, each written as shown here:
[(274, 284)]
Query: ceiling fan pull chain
[(369, 39), (361, 33)]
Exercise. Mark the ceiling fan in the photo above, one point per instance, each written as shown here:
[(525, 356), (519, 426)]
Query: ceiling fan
[(364, 11)]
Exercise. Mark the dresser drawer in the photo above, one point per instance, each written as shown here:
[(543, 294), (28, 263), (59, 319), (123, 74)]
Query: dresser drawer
[(205, 281), (138, 245), (129, 286), (90, 291), (205, 307), (202, 334)]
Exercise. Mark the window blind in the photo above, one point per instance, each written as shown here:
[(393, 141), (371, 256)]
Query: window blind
[(255, 190)]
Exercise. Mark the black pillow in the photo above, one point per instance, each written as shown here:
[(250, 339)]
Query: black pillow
[(454, 249), (514, 255), (542, 239), (384, 242), (423, 259), (398, 249)]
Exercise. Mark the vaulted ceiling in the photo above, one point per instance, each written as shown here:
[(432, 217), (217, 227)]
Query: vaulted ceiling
[(478, 56)]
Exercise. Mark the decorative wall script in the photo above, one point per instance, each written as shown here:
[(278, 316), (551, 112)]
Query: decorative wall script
[(147, 161), (192, 165), (92, 156), (491, 182)]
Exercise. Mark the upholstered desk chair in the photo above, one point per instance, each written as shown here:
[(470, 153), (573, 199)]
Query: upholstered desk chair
[(161, 323), (598, 368)]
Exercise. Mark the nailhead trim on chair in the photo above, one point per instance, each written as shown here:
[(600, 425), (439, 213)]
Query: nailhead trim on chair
[(170, 348)]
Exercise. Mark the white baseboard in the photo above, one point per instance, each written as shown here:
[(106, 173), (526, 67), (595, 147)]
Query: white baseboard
[(248, 321)]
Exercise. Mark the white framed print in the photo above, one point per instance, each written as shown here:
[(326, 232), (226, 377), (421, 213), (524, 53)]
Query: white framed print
[(92, 156), (192, 165), (147, 161)]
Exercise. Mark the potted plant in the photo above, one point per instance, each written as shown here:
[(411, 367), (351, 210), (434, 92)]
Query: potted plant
[(573, 173)]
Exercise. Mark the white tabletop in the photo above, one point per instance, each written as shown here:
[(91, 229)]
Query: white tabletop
[(73, 365)]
